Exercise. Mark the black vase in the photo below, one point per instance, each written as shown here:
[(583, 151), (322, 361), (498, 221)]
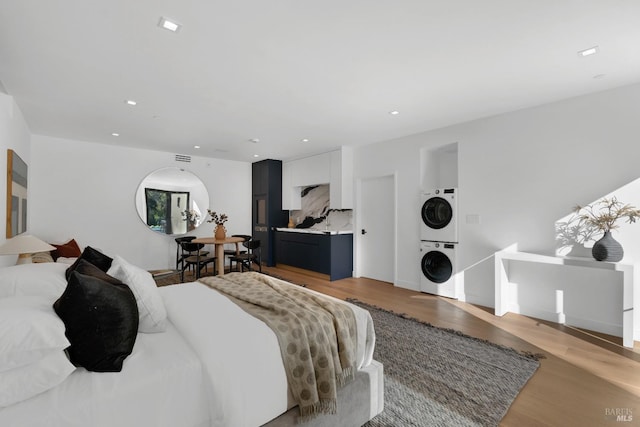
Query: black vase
[(607, 249)]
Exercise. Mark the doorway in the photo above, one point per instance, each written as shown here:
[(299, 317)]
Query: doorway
[(376, 232)]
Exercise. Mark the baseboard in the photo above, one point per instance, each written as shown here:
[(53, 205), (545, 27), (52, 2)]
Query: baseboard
[(537, 313), (407, 285), (564, 319), (602, 327)]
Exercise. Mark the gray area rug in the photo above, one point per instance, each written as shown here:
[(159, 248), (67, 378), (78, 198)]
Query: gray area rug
[(438, 377)]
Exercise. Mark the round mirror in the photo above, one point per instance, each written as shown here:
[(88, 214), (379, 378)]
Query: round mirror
[(172, 201)]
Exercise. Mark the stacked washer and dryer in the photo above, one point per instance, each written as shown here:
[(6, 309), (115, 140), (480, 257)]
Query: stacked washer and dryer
[(439, 238)]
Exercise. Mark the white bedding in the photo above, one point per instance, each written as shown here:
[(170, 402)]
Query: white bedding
[(240, 354), (198, 373), (161, 384)]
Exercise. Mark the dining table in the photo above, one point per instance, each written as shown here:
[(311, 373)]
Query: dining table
[(219, 250)]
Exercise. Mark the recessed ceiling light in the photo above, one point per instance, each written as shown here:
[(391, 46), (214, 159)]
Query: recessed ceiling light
[(394, 112), (587, 52), (196, 146), (254, 140), (115, 134), (304, 140), (256, 155), (130, 102), (168, 24)]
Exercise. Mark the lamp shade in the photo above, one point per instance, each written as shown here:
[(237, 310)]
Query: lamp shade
[(24, 244)]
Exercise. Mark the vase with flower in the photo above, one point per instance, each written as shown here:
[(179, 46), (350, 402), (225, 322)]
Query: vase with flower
[(219, 232), (604, 216)]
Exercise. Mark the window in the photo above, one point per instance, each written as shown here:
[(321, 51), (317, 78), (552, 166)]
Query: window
[(164, 210)]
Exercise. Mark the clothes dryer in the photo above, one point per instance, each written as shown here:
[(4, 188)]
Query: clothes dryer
[(438, 269), (439, 215)]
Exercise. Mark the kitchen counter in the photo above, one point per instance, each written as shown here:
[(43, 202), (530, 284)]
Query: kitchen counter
[(314, 231), (327, 252)]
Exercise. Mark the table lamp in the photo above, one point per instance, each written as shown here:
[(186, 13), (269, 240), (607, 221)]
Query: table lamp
[(24, 246)]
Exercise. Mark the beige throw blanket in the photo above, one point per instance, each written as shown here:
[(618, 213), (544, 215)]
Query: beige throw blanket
[(317, 335)]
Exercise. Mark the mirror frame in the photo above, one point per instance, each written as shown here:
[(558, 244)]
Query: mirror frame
[(172, 186)]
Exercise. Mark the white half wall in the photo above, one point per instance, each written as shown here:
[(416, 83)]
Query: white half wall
[(14, 134), (518, 173), (87, 191)]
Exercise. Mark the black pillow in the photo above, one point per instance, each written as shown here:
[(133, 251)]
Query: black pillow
[(101, 320), (86, 268), (93, 256)]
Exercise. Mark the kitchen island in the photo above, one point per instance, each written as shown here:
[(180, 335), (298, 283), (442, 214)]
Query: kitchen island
[(323, 251)]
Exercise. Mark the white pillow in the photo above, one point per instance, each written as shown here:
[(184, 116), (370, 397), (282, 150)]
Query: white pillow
[(27, 381), (153, 315), (41, 279), (29, 331)]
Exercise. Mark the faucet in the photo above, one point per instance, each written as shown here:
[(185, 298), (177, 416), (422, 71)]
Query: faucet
[(326, 224)]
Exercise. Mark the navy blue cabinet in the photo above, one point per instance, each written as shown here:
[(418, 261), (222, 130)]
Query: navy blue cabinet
[(330, 254), (267, 213)]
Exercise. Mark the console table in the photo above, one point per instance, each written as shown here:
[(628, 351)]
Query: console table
[(629, 282)]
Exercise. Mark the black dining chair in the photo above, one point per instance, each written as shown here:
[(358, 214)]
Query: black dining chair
[(232, 252), (180, 254), (246, 260), (191, 258)]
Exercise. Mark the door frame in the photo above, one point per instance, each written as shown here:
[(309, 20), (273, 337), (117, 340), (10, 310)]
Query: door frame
[(357, 225)]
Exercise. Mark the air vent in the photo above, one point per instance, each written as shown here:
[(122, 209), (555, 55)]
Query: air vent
[(183, 158)]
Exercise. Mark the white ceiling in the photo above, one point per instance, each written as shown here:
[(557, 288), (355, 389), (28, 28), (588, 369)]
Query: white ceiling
[(284, 70)]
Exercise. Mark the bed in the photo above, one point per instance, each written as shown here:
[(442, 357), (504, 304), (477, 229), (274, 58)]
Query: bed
[(210, 364)]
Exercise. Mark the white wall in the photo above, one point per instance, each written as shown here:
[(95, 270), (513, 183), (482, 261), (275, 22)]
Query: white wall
[(14, 134), (520, 172), (86, 191)]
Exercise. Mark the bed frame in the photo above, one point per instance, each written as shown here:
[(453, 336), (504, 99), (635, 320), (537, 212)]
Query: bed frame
[(358, 402)]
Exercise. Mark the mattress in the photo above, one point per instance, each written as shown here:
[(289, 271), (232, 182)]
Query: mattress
[(161, 385), (240, 354), (215, 365)]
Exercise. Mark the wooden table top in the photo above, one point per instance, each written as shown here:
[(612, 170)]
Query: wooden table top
[(214, 241)]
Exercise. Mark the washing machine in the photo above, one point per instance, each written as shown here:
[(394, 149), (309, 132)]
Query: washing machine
[(439, 215), (438, 269)]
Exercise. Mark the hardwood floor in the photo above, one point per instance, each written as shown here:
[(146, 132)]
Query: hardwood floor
[(582, 381)]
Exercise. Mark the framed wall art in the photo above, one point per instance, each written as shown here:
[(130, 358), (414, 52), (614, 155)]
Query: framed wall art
[(16, 194)]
